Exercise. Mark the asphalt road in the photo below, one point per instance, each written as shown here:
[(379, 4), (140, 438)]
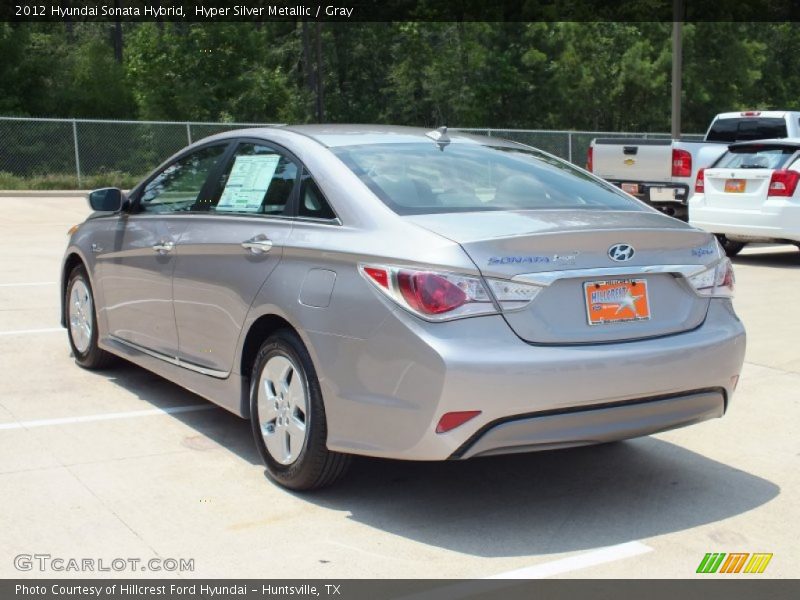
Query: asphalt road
[(123, 464)]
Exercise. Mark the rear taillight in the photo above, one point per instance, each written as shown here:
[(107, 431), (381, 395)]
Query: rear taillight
[(681, 163), (700, 182), (590, 160), (716, 281), (440, 296), (430, 293), (783, 183), (750, 113)]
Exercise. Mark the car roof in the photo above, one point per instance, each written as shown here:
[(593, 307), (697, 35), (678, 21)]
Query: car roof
[(755, 114), (338, 135), (332, 135)]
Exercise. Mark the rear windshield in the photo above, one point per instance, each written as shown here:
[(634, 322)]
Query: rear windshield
[(755, 157), (746, 128), (421, 178)]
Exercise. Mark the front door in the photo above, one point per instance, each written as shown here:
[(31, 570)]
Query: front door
[(135, 269)]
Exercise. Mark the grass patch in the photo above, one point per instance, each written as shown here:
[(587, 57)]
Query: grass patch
[(62, 181)]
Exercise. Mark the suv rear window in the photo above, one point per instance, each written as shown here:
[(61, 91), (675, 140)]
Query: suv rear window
[(755, 157), (422, 178), (746, 128)]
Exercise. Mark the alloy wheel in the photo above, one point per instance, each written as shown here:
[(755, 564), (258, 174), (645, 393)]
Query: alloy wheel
[(283, 409)]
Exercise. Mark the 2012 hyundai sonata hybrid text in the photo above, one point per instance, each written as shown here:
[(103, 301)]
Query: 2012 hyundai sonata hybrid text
[(403, 293)]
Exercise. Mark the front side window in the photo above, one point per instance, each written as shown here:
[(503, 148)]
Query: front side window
[(259, 180), (178, 187), (421, 178)]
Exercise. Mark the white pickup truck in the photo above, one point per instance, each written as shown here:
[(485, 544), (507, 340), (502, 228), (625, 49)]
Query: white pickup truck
[(662, 172)]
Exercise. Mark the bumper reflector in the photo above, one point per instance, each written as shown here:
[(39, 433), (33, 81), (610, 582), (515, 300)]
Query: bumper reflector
[(452, 420)]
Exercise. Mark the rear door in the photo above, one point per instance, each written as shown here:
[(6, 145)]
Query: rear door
[(740, 180), (136, 261), (228, 250)]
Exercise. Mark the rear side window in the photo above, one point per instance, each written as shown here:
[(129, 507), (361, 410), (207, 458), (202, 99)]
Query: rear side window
[(756, 157), (258, 180), (312, 203), (424, 178), (746, 128)]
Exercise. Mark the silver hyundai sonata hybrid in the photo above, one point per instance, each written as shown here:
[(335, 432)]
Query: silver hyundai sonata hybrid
[(403, 293)]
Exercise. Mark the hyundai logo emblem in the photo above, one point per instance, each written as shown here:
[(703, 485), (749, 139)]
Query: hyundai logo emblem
[(621, 252)]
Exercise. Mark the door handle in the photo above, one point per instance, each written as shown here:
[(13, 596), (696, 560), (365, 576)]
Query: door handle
[(259, 244), (163, 247)]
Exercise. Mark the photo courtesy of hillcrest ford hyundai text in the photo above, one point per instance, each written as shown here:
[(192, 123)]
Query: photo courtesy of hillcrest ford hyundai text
[(404, 293)]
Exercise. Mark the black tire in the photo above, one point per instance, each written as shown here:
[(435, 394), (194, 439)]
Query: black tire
[(315, 466), (91, 357), (731, 248)]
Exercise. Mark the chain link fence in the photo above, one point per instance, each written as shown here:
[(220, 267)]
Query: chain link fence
[(90, 153), (570, 145)]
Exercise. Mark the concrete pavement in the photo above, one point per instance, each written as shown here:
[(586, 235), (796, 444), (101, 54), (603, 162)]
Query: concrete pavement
[(121, 463)]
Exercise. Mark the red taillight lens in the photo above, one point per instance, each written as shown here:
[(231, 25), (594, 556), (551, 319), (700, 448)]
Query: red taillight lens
[(429, 293), (590, 159), (783, 183), (380, 276), (452, 420), (700, 182), (443, 296), (681, 163)]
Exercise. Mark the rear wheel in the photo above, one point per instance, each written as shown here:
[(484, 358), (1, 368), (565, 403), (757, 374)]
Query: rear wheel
[(82, 322), (731, 248), (288, 416)]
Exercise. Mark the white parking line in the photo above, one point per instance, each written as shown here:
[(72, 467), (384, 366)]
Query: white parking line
[(107, 417), (573, 563), (555, 567), (28, 283), (29, 331)]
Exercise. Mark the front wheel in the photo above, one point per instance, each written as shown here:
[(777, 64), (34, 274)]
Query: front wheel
[(288, 416), (82, 322), (731, 248)]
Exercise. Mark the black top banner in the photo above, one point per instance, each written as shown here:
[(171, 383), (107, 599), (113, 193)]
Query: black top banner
[(399, 10)]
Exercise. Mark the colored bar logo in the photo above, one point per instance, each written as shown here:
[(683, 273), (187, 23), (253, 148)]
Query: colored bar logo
[(734, 562)]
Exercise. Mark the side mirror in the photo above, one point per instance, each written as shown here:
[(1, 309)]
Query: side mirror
[(107, 199)]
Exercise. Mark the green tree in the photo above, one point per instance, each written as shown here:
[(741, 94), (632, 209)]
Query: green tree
[(209, 72)]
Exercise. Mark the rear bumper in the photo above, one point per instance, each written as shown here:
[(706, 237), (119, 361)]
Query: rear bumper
[(646, 191), (385, 395), (593, 425), (775, 219)]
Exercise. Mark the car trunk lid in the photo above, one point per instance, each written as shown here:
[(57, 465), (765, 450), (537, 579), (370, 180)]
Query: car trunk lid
[(567, 252)]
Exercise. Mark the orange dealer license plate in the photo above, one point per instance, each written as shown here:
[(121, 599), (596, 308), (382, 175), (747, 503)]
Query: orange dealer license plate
[(616, 301), (735, 186)]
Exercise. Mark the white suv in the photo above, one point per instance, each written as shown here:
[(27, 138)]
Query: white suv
[(750, 194)]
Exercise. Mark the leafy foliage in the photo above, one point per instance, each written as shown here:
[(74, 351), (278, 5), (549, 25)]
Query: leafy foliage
[(597, 76)]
